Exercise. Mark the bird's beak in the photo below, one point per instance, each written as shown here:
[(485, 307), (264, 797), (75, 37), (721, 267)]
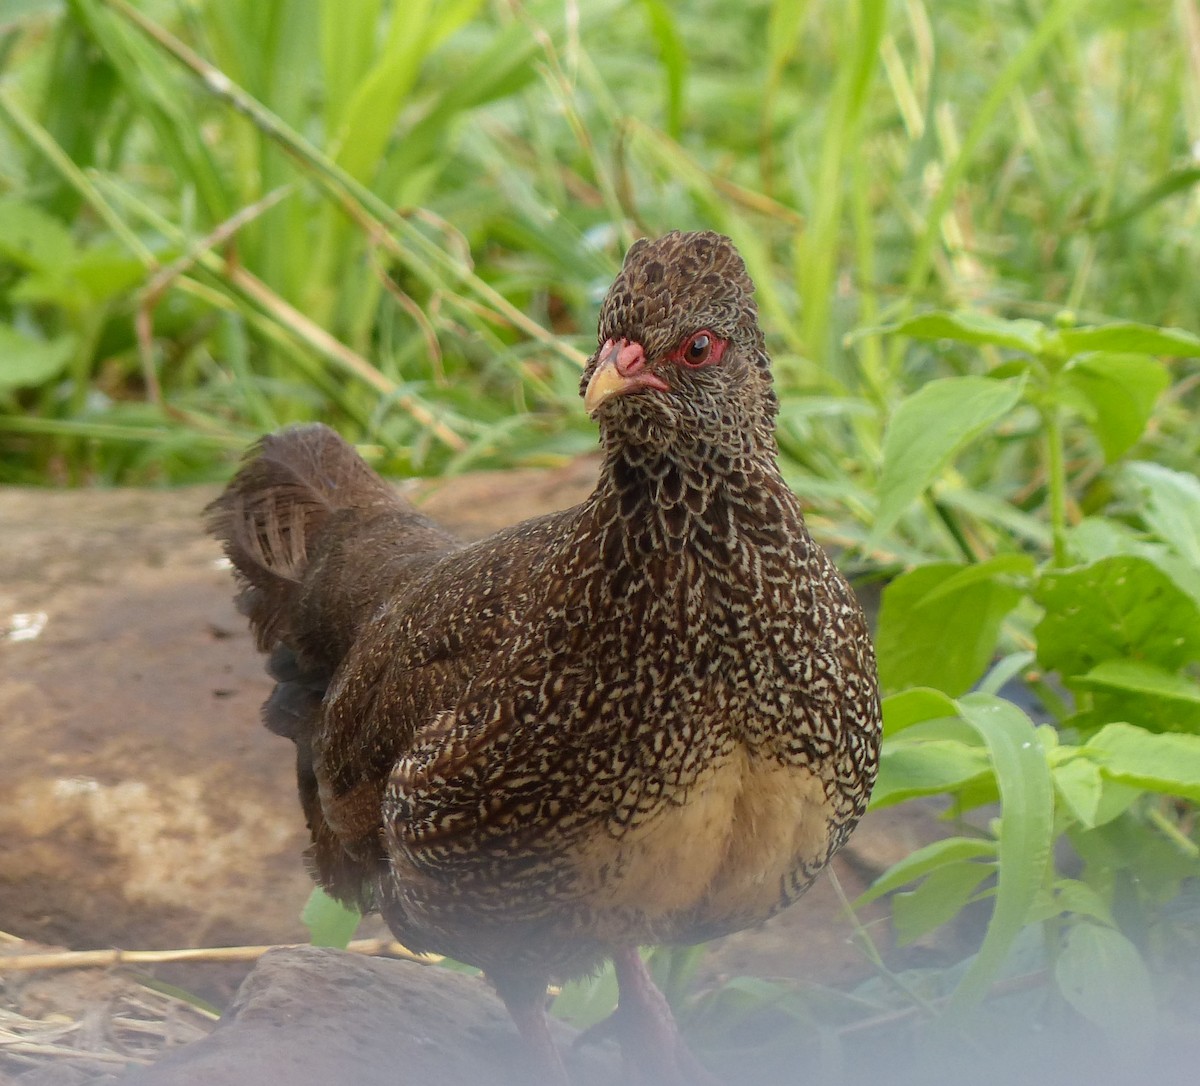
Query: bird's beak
[(621, 369)]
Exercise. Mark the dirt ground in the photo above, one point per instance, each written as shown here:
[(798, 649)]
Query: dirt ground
[(141, 804)]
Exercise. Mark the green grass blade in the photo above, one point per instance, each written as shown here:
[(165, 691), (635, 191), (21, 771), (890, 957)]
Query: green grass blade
[(151, 85), (818, 250), (423, 255), (1052, 24), (1025, 837), (673, 55), (347, 46)]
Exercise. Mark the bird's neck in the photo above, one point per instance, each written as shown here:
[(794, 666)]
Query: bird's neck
[(665, 501)]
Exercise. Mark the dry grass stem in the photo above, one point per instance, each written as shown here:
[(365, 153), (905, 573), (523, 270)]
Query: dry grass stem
[(101, 959)]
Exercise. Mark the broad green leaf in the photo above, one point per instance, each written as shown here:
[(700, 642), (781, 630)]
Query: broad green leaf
[(1141, 678), (26, 362), (1119, 392), (924, 860), (1160, 762), (48, 287), (329, 922), (908, 769), (1071, 895), (1091, 794), (915, 706), (721, 1014), (31, 238), (1115, 799), (1172, 509), (1102, 975), (93, 276), (928, 428), (1173, 700), (972, 327), (105, 271), (1079, 783), (1114, 608), (674, 970), (802, 408), (1047, 735), (1094, 538), (948, 728), (1127, 337), (938, 899), (1149, 711), (967, 577), (939, 624), (992, 509), (1025, 837)]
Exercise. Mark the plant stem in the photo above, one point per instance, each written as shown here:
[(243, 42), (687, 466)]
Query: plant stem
[(1173, 834), (1056, 481)]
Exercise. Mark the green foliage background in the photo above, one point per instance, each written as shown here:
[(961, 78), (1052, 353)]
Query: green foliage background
[(974, 230)]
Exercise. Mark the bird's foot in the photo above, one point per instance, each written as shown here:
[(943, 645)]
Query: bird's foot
[(653, 1048)]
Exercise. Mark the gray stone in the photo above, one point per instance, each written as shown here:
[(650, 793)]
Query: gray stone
[(309, 1016)]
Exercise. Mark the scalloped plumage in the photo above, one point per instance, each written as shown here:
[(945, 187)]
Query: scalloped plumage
[(649, 718)]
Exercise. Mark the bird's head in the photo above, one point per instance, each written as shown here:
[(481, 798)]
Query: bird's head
[(681, 358)]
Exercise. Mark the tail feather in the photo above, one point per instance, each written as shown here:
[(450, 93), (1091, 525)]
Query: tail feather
[(318, 540), (272, 514)]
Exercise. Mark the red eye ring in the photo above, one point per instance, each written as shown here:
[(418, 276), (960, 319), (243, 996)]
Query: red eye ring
[(701, 348)]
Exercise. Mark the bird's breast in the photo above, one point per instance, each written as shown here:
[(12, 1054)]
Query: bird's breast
[(724, 855)]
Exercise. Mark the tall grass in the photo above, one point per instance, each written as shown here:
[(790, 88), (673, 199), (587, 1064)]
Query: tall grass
[(399, 217)]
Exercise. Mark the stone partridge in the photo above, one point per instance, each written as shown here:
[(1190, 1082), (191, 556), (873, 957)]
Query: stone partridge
[(652, 718)]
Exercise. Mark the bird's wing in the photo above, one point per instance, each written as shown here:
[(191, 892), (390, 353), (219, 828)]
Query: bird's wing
[(442, 643)]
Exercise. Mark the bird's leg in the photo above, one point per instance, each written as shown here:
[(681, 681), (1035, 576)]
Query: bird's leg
[(651, 1043), (527, 1008)]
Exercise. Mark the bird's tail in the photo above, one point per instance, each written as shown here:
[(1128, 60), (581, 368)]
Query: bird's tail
[(318, 542), (274, 517)]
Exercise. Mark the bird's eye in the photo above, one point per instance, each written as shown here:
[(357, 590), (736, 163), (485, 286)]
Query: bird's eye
[(703, 348), (698, 349)]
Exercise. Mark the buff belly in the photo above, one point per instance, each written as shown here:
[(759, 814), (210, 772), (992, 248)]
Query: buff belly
[(721, 860)]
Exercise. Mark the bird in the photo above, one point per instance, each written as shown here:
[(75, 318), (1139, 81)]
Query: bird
[(651, 718)]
